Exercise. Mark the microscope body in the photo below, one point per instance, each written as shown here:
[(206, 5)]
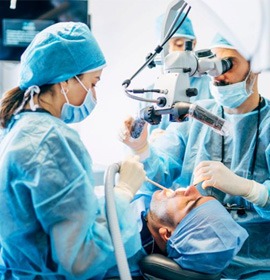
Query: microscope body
[(179, 66)]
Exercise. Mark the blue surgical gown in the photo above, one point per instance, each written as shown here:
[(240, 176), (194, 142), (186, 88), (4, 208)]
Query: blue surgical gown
[(52, 226), (174, 155)]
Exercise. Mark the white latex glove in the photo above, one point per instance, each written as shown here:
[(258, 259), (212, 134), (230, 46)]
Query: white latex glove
[(131, 177), (140, 145), (216, 174)]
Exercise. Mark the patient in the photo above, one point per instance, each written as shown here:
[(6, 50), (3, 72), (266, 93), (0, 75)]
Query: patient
[(195, 231)]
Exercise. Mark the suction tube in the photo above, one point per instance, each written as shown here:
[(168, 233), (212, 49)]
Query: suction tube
[(114, 228)]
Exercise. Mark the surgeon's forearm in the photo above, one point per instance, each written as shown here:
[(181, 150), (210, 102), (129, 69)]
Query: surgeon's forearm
[(143, 152), (80, 249), (258, 194)]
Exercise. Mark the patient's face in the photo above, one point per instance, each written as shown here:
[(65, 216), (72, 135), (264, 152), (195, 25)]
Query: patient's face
[(175, 207)]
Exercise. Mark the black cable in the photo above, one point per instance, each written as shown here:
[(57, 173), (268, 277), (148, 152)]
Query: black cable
[(254, 157), (256, 139), (176, 28), (174, 23), (158, 49), (222, 139)]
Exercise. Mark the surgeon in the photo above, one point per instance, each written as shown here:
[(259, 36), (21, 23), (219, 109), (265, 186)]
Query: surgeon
[(235, 169), (196, 231), (177, 42), (52, 225), (183, 34)]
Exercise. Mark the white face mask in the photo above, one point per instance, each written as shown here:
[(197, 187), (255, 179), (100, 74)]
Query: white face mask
[(73, 114), (232, 96)]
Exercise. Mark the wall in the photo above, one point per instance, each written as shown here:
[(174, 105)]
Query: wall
[(126, 32), (9, 72)]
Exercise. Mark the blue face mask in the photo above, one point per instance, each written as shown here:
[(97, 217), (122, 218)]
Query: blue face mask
[(73, 114), (232, 96)]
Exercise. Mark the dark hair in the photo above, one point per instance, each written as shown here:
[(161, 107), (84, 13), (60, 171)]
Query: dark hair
[(11, 100), (9, 103)]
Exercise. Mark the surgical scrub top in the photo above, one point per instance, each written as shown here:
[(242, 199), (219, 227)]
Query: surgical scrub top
[(52, 226), (174, 155)]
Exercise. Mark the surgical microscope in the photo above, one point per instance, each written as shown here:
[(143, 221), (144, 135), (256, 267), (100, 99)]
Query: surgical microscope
[(172, 88)]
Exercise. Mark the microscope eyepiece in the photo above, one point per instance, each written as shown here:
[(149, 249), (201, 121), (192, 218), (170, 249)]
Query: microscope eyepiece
[(227, 64)]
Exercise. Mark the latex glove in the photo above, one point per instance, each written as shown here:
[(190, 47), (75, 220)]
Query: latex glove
[(216, 174), (140, 145), (131, 177)]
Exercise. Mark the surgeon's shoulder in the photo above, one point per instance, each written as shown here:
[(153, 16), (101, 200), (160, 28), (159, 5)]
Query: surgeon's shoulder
[(206, 103), (45, 125), (267, 104)]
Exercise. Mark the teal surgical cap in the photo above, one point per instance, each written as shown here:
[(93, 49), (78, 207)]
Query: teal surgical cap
[(58, 53), (185, 30), (207, 239), (220, 42)]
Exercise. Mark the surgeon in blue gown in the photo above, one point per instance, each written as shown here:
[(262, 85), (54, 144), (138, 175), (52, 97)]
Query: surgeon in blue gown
[(52, 225), (235, 169)]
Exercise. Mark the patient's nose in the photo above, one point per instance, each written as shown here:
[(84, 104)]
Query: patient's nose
[(169, 193)]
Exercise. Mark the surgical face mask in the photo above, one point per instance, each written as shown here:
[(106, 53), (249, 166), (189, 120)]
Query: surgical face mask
[(73, 114), (232, 96)]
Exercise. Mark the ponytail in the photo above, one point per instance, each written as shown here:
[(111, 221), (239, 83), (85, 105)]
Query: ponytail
[(10, 101)]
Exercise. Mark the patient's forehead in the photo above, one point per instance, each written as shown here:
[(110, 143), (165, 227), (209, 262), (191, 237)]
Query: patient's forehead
[(175, 208)]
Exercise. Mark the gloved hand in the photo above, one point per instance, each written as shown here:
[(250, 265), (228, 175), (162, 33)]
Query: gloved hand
[(140, 145), (216, 174), (131, 177)]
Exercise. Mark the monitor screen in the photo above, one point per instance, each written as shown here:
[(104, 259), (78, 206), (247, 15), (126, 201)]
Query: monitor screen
[(19, 26)]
